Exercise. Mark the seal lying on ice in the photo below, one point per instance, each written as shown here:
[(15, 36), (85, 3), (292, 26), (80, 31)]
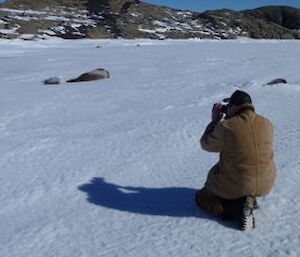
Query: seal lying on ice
[(52, 81), (92, 75), (277, 81)]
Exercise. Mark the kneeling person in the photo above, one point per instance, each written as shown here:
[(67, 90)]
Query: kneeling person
[(245, 169)]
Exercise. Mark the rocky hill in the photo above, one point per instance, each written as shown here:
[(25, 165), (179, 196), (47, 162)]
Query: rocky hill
[(73, 19)]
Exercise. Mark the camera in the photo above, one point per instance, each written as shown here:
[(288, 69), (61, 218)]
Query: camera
[(224, 108)]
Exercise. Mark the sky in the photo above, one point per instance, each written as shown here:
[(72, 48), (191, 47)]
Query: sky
[(202, 5)]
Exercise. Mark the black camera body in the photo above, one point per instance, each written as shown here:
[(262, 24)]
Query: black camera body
[(224, 108)]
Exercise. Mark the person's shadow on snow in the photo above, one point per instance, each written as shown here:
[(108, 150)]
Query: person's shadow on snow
[(169, 201)]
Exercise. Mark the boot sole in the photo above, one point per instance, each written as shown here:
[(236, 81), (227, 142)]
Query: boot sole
[(247, 221)]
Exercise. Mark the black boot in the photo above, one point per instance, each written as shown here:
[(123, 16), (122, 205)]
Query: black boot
[(255, 204), (247, 221), (240, 210)]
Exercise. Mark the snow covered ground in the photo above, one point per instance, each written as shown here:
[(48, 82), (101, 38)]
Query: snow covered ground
[(110, 168)]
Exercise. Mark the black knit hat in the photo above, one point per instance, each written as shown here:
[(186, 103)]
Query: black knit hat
[(238, 98)]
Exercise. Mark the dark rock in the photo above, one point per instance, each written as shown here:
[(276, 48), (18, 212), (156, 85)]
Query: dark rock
[(285, 16)]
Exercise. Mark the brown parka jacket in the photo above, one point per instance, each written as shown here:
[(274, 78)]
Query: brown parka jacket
[(246, 165)]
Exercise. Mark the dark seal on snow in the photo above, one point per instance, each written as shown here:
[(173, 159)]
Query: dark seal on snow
[(92, 75), (277, 81), (52, 81)]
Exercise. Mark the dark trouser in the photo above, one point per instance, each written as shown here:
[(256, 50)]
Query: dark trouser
[(219, 206), (209, 202)]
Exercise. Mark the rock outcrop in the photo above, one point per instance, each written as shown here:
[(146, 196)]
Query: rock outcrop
[(75, 19)]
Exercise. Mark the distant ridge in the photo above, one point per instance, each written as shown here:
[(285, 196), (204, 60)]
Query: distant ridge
[(74, 19)]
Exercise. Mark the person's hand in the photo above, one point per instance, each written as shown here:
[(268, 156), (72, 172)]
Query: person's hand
[(217, 114)]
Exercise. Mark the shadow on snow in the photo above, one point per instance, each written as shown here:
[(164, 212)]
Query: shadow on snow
[(170, 201)]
